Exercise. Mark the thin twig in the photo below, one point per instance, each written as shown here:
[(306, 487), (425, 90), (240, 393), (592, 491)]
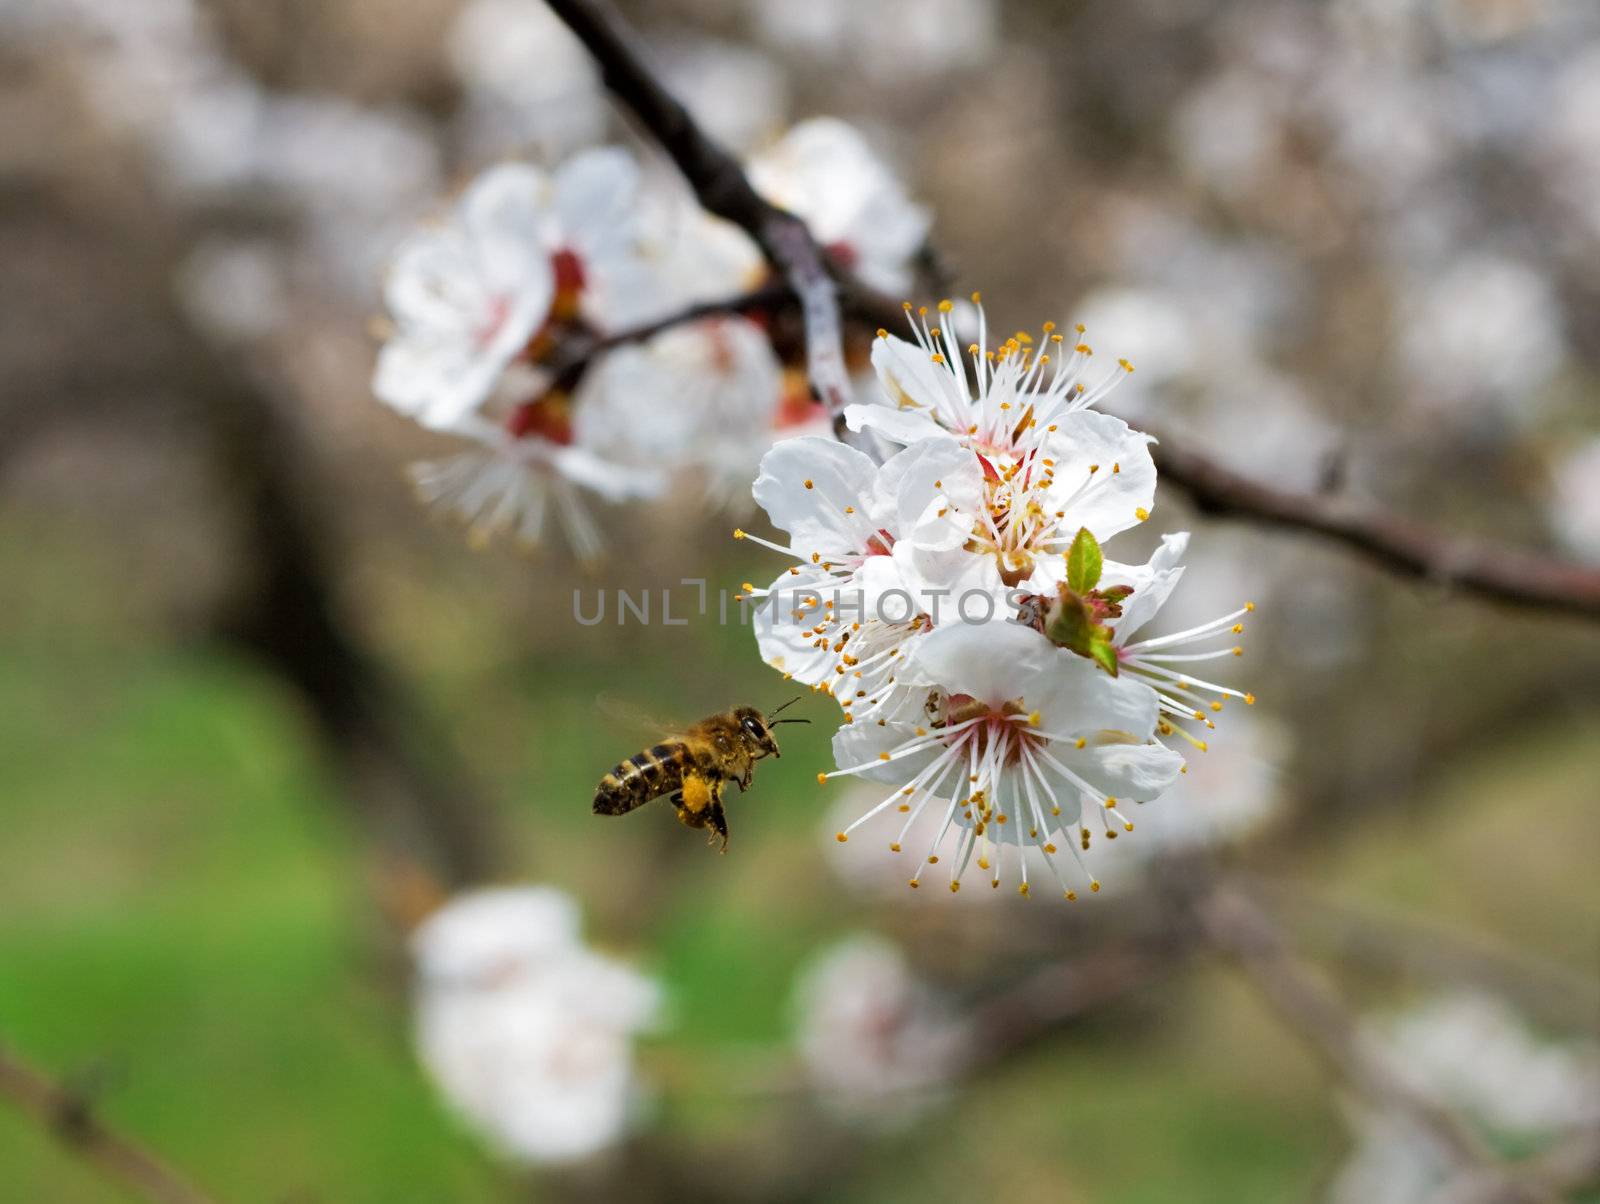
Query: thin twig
[(1397, 543), (68, 1117), (580, 356), (722, 188)]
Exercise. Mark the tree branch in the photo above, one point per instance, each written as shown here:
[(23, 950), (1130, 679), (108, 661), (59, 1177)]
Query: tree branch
[(1398, 544), (1404, 547), (67, 1115), (722, 188)]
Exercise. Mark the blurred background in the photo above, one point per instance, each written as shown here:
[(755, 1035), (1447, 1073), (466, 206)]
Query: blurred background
[(259, 714)]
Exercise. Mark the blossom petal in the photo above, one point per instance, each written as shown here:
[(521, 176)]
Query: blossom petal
[(1104, 475), (806, 485)]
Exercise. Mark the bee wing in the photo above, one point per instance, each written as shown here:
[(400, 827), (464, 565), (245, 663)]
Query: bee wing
[(635, 721)]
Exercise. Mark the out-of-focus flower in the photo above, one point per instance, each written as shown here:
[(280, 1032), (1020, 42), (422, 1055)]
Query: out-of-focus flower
[(524, 250), (876, 1040), (900, 40), (706, 399), (234, 288), (530, 83), (1574, 506), (1473, 1054), (526, 1032), (737, 94), (824, 171), (1458, 364)]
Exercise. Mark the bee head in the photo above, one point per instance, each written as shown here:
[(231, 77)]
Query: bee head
[(753, 726)]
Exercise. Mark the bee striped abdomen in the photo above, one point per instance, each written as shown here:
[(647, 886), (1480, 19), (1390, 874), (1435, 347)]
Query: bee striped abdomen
[(656, 771)]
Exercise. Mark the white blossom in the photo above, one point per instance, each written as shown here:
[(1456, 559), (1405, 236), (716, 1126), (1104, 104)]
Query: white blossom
[(522, 249), (875, 1039), (526, 1032), (824, 171), (1021, 743)]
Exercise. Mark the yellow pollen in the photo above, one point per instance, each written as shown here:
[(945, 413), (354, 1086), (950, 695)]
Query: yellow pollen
[(983, 863), (1082, 742), (841, 837), (882, 333), (883, 756), (821, 778), (913, 884), (1083, 349), (1072, 896), (810, 484), (1250, 606), (904, 807), (1128, 827), (1126, 366), (977, 298), (1034, 719), (1080, 328), (1216, 706), (1249, 700), (849, 509), (895, 847), (954, 887), (1049, 848), (1238, 651), (1023, 890), (937, 358), (1094, 886), (738, 534), (906, 305), (933, 859), (945, 307), (1141, 514), (1048, 327)]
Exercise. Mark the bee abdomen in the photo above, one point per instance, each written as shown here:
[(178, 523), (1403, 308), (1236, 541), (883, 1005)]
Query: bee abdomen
[(640, 778)]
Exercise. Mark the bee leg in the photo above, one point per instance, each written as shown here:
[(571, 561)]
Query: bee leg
[(719, 821)]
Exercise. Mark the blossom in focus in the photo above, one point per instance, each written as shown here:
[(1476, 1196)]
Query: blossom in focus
[(1022, 743), (867, 540), (874, 1038), (526, 1032), (823, 171), (1050, 464)]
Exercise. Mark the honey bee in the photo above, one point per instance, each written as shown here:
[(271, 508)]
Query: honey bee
[(692, 769)]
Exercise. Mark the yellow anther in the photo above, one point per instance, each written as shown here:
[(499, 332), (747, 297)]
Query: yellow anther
[(1084, 349), (841, 837), (1034, 718), (883, 756), (1238, 651), (1023, 890), (1094, 886), (977, 298), (954, 887), (1082, 742), (1080, 328), (1249, 700), (821, 778), (895, 847), (738, 534), (933, 859), (882, 333), (1072, 896), (1141, 514), (1216, 706), (945, 307), (1250, 606)]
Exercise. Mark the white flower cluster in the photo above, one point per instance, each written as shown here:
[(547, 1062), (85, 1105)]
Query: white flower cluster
[(1472, 1053), (526, 1031), (956, 603), (500, 318)]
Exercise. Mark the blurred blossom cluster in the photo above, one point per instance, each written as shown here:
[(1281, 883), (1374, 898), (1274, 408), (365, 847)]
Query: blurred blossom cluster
[(502, 316), (1473, 1054), (527, 1032), (877, 1042)]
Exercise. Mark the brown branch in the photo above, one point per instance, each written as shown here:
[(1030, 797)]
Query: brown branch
[(722, 188), (580, 353), (1399, 544), (1235, 925), (68, 1117)]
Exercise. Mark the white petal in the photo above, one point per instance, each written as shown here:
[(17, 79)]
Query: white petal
[(814, 515), (1123, 481)]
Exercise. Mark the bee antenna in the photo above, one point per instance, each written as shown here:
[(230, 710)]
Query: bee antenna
[(775, 722), (788, 704)]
